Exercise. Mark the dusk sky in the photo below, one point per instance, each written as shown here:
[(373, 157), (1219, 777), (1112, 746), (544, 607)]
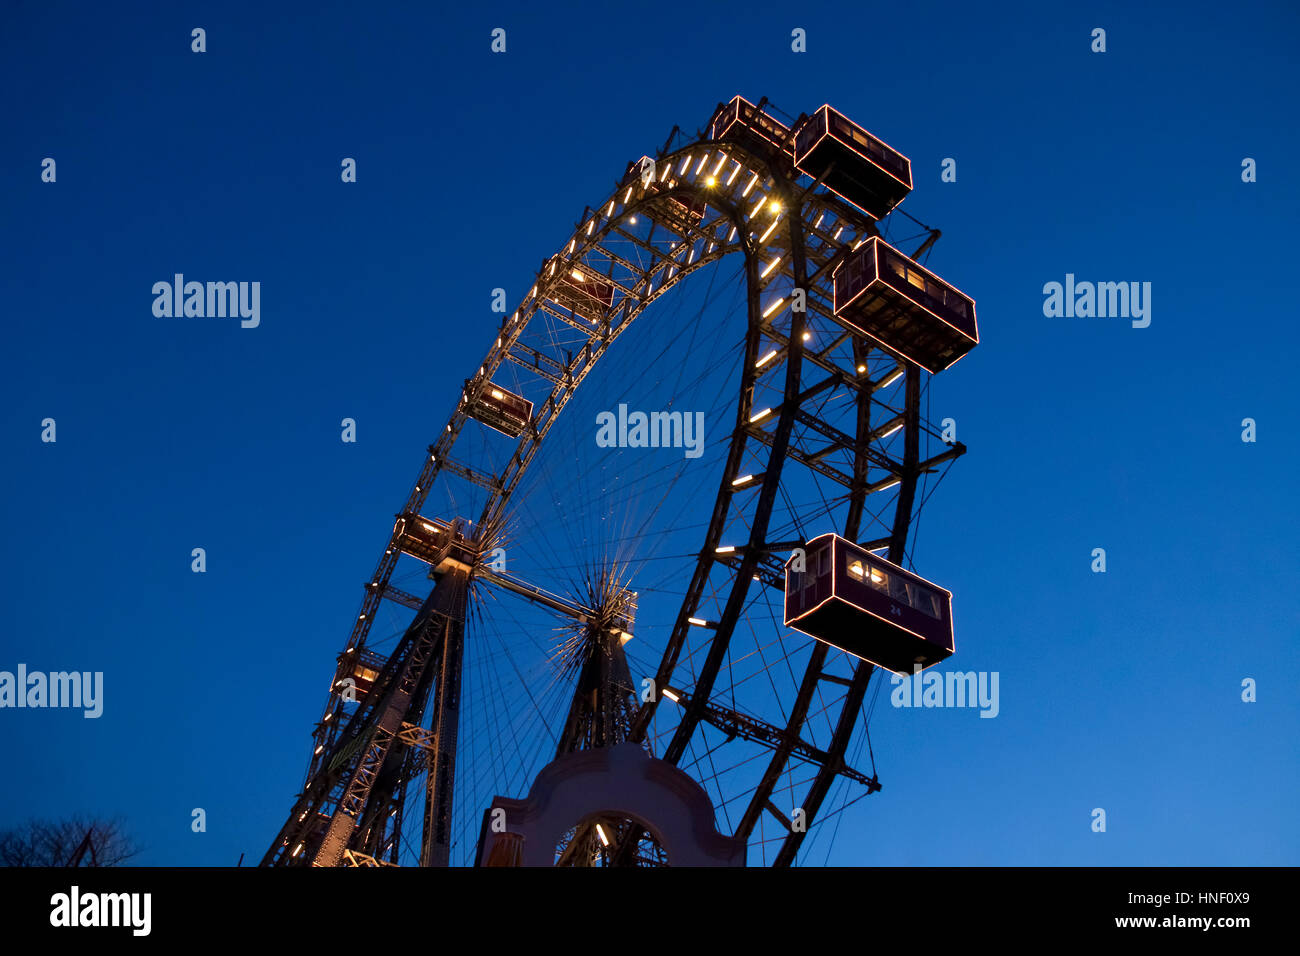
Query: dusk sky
[(1119, 690)]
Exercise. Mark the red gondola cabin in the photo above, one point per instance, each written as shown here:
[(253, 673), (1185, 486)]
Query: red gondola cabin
[(433, 541), (679, 212), (857, 601), (881, 293), (743, 123), (852, 162), (363, 668), (500, 410), (583, 291)]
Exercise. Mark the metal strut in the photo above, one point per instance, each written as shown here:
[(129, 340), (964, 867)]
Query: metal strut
[(428, 631), (862, 672), (694, 712), (435, 846)]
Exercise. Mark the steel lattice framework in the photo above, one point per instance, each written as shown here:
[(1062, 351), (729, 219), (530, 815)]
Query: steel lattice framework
[(790, 232)]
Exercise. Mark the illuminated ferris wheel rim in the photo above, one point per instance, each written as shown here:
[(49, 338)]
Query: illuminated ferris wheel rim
[(741, 186), (760, 187)]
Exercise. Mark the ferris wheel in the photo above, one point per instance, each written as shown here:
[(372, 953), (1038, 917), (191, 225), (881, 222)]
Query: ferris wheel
[(660, 534)]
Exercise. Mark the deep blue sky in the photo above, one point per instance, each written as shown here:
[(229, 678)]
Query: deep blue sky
[(1119, 691)]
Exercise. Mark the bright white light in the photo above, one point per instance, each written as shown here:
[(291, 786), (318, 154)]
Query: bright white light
[(765, 359), (773, 307), (770, 266), (763, 414), (740, 481), (670, 695)]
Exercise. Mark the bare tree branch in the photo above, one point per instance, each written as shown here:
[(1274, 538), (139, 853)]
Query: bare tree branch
[(78, 840)]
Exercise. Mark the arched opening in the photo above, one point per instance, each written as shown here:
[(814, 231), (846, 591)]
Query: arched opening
[(598, 840)]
